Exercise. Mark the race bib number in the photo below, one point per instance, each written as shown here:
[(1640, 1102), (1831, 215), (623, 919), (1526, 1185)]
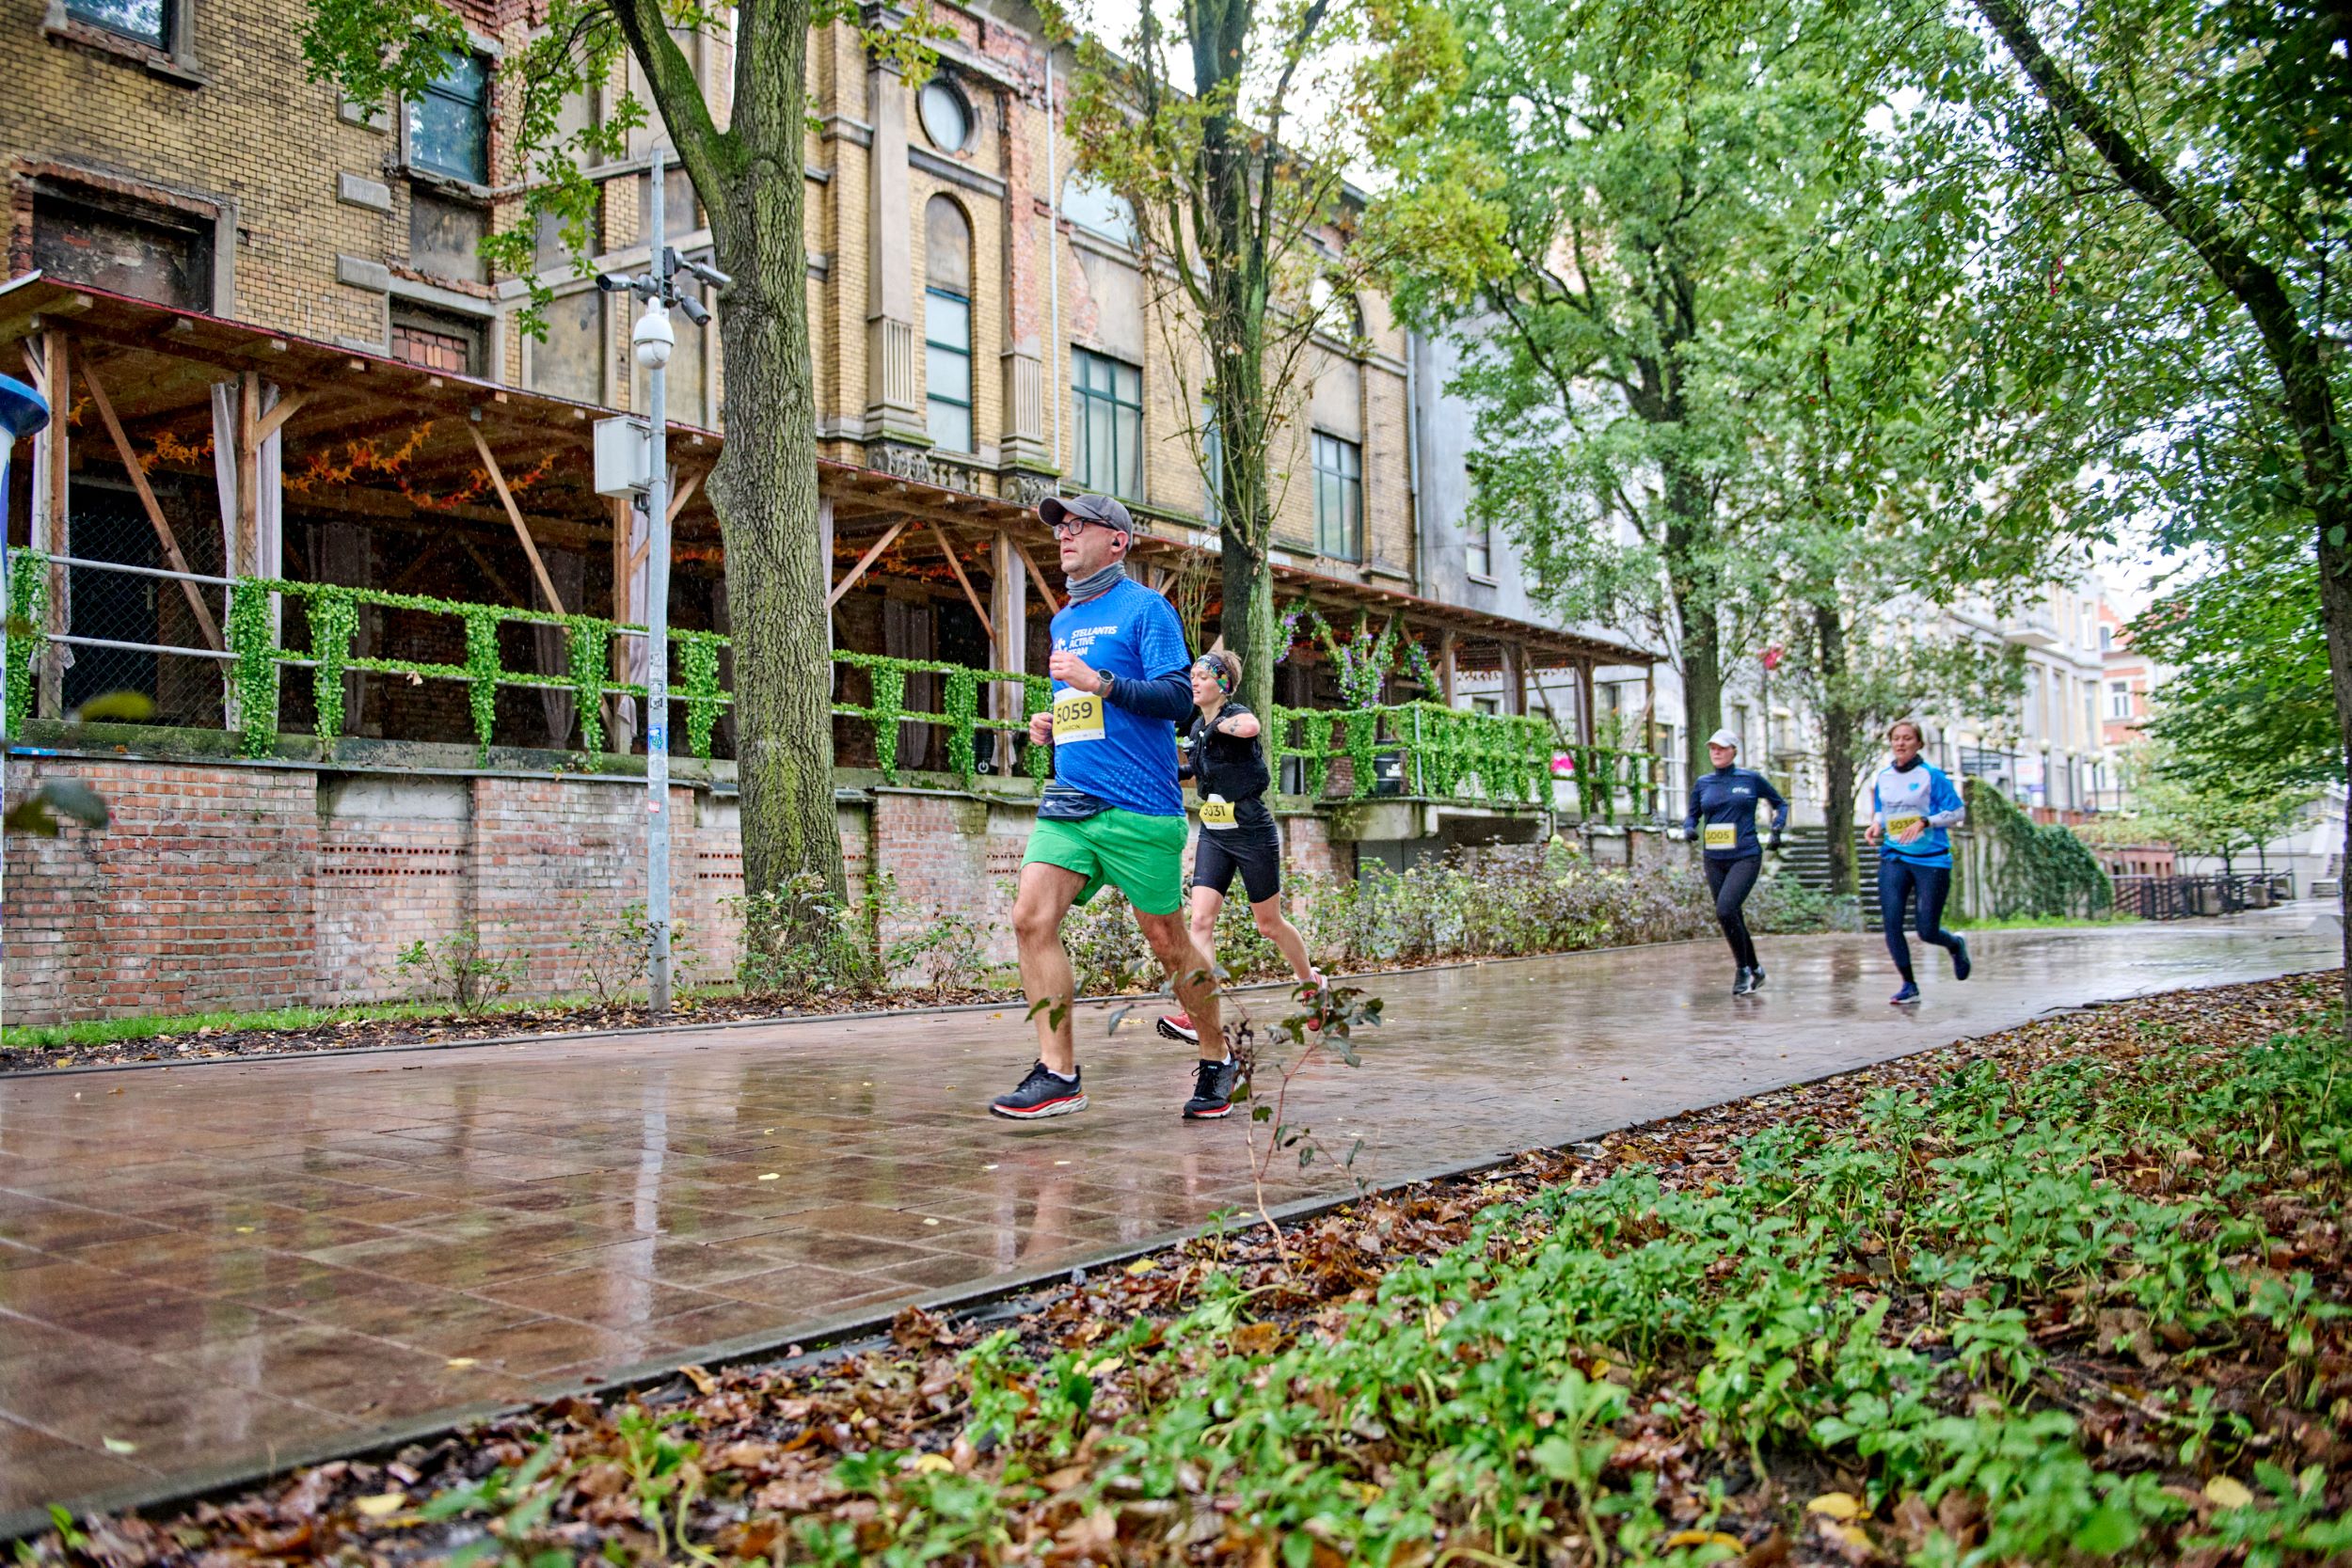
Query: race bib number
[(1078, 716), (1217, 814), (1723, 836), (1902, 830)]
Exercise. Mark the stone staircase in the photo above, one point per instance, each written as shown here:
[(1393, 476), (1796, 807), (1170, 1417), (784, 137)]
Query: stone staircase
[(1805, 856)]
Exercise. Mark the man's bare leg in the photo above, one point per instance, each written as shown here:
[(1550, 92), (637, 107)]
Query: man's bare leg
[(1196, 984), (1047, 893)]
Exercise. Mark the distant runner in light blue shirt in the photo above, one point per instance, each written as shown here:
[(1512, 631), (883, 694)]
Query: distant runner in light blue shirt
[(1914, 808)]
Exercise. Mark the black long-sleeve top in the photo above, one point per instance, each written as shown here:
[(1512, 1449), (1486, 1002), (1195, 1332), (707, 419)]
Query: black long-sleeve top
[(1724, 800)]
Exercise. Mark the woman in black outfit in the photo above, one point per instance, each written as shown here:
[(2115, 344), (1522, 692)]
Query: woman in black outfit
[(1725, 802), (1237, 832)]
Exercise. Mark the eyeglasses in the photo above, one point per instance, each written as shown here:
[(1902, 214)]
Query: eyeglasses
[(1070, 528)]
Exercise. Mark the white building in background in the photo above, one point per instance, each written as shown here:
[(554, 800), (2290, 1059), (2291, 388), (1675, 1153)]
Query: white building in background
[(2049, 752)]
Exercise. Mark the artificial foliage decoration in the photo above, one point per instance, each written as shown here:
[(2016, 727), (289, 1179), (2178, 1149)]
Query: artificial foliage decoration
[(888, 681), (334, 622), (698, 669), (28, 601), (963, 702), (253, 667), (2041, 869), (590, 645), (481, 671), (886, 710), (1417, 661)]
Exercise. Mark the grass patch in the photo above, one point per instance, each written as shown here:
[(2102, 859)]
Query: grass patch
[(2082, 1298), (2038, 922), (114, 1031)]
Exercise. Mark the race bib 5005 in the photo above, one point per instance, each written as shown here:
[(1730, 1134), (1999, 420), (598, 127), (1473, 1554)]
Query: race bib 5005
[(1216, 813), (1078, 716), (1723, 836)]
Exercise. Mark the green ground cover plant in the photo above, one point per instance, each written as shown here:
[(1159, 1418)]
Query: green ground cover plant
[(2073, 1293)]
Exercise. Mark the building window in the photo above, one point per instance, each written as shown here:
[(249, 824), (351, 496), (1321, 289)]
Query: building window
[(148, 21), (2118, 700), (946, 117), (1478, 546), (448, 125), (570, 363), (1090, 205), (947, 324), (948, 367), (1339, 497), (445, 237), (123, 245), (1109, 396), (437, 340), (2106, 639)]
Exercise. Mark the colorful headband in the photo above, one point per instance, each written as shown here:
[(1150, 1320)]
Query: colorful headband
[(1216, 674)]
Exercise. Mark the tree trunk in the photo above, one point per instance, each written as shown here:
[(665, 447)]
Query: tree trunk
[(1697, 614), (1246, 622), (764, 488), (2295, 356), (1838, 742)]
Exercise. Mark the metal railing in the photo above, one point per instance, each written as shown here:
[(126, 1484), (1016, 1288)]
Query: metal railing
[(1416, 749), (2188, 897)]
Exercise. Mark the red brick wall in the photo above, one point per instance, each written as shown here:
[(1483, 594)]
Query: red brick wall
[(199, 896), (242, 888)]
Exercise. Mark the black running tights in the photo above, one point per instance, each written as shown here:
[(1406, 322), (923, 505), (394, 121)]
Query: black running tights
[(1731, 881), (1897, 877)]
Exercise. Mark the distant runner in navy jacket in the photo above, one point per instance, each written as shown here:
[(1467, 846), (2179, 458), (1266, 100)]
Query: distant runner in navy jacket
[(1723, 803), (1913, 809)]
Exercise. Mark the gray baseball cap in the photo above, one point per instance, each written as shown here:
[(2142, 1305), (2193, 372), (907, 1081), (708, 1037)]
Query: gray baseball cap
[(1723, 738), (1105, 510)]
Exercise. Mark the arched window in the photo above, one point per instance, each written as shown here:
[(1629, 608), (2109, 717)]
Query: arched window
[(1092, 205), (947, 323)]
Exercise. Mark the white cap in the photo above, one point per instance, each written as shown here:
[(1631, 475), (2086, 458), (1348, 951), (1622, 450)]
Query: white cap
[(1723, 738)]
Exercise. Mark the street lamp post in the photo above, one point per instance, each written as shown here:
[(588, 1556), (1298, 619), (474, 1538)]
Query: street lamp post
[(652, 338)]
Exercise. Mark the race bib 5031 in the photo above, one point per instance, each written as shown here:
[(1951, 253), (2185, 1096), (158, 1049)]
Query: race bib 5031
[(1216, 813), (1078, 716), (1722, 836)]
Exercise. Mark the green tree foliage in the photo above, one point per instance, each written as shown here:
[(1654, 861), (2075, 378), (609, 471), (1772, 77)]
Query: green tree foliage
[(1604, 200), (2179, 798), (1195, 121), (2170, 178)]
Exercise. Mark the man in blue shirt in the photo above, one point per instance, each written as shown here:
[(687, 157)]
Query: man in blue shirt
[(1113, 811), (1914, 808), (1723, 804)]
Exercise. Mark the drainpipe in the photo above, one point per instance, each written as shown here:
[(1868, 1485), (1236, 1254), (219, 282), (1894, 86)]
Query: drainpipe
[(1054, 369), (1412, 459)]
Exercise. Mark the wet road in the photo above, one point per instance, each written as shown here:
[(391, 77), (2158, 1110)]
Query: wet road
[(210, 1265)]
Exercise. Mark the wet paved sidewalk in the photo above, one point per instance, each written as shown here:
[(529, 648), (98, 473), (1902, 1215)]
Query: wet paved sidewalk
[(211, 1264)]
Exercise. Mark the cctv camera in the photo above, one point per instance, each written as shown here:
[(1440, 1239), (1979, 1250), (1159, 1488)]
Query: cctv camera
[(613, 282), (696, 311), (710, 274)]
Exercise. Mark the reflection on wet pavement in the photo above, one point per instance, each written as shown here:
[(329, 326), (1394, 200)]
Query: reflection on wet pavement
[(207, 1265)]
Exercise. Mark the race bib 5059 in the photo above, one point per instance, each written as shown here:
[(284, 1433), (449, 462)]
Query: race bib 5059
[(1216, 813), (1078, 716), (1722, 836)]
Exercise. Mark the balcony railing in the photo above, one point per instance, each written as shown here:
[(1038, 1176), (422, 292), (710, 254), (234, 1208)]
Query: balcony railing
[(1409, 749)]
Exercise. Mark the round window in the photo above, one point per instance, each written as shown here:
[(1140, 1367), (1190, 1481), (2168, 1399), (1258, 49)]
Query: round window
[(946, 117)]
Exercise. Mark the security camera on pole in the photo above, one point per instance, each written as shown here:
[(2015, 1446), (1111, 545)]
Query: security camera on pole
[(652, 338)]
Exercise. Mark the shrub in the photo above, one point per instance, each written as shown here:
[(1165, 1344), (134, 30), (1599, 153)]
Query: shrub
[(2030, 867), (610, 952), (809, 943), (457, 969)]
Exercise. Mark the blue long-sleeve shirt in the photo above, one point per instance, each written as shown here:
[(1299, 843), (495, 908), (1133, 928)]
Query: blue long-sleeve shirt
[(1725, 802), (1901, 796)]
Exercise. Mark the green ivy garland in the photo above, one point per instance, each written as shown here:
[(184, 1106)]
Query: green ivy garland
[(591, 650), (1361, 726), (698, 668), (1040, 699), (482, 671), (28, 601), (253, 667), (889, 702), (963, 702), (334, 624)]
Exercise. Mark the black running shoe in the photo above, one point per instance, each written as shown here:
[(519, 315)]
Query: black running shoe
[(1041, 1094), (1960, 956), (1213, 1091), (1744, 982), (1756, 978)]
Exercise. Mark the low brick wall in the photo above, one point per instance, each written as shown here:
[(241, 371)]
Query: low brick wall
[(227, 886)]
